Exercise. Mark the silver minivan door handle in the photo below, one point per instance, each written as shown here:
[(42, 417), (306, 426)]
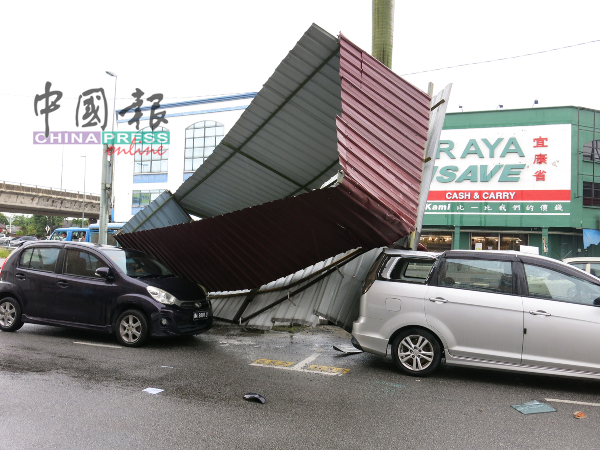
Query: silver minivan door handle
[(438, 300), (539, 313)]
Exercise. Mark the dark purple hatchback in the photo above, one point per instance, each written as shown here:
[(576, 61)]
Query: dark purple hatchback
[(99, 287)]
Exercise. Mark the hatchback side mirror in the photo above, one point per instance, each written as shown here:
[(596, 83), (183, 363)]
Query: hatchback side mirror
[(104, 272)]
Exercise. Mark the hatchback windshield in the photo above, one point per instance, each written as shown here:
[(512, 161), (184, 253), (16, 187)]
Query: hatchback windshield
[(137, 264)]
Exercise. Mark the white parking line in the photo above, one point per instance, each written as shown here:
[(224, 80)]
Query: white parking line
[(299, 367), (97, 345), (571, 401), (305, 362)]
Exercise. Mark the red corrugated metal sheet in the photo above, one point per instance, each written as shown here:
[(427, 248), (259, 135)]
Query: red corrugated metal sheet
[(381, 137), (382, 131)]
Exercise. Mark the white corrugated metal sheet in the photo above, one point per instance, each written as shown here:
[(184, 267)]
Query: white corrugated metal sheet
[(436, 123), (334, 297), (285, 137), (146, 219)]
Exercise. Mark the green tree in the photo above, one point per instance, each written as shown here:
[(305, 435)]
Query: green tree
[(20, 220), (36, 225), (77, 223)]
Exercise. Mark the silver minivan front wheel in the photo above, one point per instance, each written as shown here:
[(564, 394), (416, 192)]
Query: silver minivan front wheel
[(132, 328), (416, 352)]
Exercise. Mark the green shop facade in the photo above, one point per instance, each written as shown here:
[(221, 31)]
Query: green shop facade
[(510, 178)]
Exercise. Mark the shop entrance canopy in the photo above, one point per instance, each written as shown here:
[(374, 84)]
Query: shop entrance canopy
[(327, 157)]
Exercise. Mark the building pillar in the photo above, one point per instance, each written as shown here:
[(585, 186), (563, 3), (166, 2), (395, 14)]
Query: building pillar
[(456, 239), (545, 242)]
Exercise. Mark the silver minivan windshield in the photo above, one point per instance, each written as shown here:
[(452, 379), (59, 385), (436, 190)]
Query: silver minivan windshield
[(137, 264)]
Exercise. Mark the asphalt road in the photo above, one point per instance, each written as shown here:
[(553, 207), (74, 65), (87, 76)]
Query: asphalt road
[(57, 394)]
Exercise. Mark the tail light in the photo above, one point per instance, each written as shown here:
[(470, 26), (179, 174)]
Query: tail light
[(6, 260), (3, 265)]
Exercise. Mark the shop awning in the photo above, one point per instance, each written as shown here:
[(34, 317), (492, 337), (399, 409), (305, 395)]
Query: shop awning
[(329, 108)]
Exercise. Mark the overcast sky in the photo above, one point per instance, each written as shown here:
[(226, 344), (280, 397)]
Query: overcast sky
[(203, 48)]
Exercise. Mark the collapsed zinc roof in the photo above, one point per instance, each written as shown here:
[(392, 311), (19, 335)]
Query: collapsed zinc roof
[(329, 109)]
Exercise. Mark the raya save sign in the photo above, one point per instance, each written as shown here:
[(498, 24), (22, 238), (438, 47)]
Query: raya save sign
[(503, 170)]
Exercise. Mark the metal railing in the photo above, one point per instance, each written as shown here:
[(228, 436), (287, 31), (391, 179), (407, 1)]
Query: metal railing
[(22, 187)]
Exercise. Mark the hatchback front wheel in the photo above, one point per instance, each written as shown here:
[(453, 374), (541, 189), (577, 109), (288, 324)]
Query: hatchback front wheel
[(416, 352), (132, 328), (10, 315)]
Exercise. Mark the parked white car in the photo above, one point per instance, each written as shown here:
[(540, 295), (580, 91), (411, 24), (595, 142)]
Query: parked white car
[(589, 264), (489, 309)]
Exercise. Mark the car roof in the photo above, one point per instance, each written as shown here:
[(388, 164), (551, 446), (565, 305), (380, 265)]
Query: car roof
[(402, 252), (70, 244), (582, 259), (95, 226), (474, 253)]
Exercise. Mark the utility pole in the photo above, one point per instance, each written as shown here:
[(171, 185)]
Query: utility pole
[(107, 179), (383, 31), (84, 173), (105, 195)]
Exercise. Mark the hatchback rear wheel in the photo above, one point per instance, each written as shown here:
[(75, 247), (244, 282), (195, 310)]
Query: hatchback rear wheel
[(10, 315), (416, 352), (132, 328)]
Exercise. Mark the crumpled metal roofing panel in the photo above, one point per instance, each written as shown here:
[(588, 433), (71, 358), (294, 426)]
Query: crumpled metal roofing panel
[(382, 131), (340, 300), (380, 146), (147, 219), (300, 308), (285, 141)]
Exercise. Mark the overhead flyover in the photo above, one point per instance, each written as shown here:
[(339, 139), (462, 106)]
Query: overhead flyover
[(328, 157)]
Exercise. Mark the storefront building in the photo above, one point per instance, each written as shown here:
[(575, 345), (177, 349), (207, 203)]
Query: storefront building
[(508, 178), (195, 128)]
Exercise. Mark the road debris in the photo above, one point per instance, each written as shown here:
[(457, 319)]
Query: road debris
[(533, 407), (151, 390), (347, 349), (572, 401), (579, 415), (254, 398)]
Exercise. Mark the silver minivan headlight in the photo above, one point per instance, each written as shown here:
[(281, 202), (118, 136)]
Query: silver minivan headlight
[(161, 296)]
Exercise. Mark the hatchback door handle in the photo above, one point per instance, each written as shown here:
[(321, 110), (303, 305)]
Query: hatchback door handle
[(438, 300), (539, 313), (20, 276), (63, 284)]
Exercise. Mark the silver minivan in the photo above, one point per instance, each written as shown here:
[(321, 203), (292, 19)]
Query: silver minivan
[(490, 309)]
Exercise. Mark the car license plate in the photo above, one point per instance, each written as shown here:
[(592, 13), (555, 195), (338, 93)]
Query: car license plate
[(200, 315)]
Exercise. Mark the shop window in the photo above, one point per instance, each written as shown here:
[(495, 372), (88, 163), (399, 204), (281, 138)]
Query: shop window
[(591, 151), (151, 158), (437, 242), (513, 241), (485, 241), (144, 198), (201, 139), (591, 193)]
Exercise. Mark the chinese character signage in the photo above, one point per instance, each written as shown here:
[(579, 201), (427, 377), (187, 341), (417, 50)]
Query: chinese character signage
[(502, 176)]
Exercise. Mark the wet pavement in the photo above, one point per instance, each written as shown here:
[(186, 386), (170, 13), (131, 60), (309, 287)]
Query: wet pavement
[(60, 392)]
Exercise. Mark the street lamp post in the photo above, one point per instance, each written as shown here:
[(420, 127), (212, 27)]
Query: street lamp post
[(10, 221), (84, 174), (107, 178)]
